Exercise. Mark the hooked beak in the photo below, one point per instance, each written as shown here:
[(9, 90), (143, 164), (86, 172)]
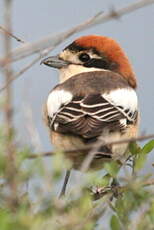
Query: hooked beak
[(54, 62)]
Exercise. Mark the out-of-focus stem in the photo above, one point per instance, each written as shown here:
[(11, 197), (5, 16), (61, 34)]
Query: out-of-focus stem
[(8, 113)]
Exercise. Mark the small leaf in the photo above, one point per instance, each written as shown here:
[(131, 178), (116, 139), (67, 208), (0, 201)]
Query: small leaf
[(114, 223), (105, 180), (140, 161), (148, 147), (100, 181), (134, 148), (142, 155), (112, 168)]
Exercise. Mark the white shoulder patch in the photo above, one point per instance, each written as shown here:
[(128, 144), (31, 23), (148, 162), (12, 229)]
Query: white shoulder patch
[(55, 99), (125, 98)]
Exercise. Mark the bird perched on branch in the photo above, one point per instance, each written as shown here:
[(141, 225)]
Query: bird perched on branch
[(95, 97)]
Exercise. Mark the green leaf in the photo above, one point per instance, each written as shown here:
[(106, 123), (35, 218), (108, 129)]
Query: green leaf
[(114, 223), (134, 148), (140, 161), (112, 168), (96, 180), (148, 147), (142, 155), (151, 212), (105, 180)]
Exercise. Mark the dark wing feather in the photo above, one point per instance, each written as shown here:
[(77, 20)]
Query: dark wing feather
[(88, 117)]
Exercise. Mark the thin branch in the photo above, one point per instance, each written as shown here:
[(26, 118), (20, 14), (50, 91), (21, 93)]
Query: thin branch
[(95, 213), (11, 34), (36, 155), (54, 40), (149, 182), (128, 140), (27, 67), (118, 189), (86, 163), (50, 41), (90, 147), (8, 112)]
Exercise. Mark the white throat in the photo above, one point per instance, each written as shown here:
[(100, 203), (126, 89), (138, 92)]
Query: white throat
[(71, 70)]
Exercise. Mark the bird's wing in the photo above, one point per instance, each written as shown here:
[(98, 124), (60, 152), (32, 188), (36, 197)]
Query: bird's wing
[(88, 115)]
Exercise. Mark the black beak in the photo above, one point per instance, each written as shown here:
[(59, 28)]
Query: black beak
[(54, 62)]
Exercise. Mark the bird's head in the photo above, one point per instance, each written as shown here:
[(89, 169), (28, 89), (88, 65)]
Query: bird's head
[(92, 53)]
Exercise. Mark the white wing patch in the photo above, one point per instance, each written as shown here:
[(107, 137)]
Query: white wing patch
[(57, 98), (125, 100)]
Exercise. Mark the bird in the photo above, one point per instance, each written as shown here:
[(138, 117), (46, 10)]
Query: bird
[(95, 98)]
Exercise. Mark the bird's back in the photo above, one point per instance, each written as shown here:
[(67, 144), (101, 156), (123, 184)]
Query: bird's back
[(90, 105)]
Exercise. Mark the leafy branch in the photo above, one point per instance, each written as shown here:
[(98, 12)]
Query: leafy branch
[(90, 147)]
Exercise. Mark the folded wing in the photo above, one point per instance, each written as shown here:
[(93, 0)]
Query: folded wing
[(89, 115)]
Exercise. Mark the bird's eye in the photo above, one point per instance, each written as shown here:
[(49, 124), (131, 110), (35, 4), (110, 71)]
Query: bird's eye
[(84, 57)]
